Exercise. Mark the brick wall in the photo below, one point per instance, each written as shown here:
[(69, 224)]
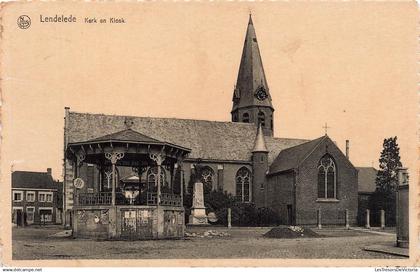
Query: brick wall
[(363, 204), (260, 165), (280, 194), (36, 204), (307, 189)]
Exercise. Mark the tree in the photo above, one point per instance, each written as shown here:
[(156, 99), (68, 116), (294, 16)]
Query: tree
[(387, 181), (389, 162)]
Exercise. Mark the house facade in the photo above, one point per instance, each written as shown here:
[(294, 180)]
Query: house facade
[(35, 198)]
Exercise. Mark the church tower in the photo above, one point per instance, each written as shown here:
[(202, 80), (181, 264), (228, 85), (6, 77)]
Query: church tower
[(251, 96), (260, 168)]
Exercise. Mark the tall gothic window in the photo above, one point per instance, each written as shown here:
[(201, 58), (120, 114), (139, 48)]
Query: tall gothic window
[(327, 178), (245, 117), (152, 174), (243, 184), (207, 177), (261, 118)]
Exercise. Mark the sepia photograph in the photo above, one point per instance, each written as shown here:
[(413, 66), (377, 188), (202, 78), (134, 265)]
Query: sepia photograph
[(209, 133)]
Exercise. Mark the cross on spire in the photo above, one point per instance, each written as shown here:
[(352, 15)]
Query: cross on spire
[(326, 127)]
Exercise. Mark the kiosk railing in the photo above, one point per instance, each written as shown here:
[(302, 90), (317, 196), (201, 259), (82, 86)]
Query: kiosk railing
[(147, 198)]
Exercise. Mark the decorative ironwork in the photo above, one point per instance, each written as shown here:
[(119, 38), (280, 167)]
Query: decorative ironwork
[(79, 183), (178, 163), (108, 176), (80, 156), (157, 157), (165, 199), (148, 198), (170, 200), (114, 156), (151, 198), (152, 176), (92, 199)]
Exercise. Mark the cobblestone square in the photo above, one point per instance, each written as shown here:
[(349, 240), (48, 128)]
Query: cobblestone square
[(335, 243)]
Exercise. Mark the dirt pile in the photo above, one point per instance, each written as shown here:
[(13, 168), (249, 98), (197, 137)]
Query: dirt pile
[(291, 232)]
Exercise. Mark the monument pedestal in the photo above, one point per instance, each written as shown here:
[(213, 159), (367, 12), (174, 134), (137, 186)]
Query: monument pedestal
[(198, 217), (198, 211)]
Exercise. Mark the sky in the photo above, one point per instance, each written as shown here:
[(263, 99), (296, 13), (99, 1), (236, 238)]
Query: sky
[(351, 65)]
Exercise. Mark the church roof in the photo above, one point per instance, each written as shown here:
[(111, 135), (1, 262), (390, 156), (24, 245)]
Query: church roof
[(366, 179), (292, 157), (251, 75), (211, 140), (259, 145)]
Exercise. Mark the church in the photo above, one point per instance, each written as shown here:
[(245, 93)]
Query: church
[(301, 180)]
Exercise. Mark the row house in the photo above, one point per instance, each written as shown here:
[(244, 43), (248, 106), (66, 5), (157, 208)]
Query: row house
[(36, 198)]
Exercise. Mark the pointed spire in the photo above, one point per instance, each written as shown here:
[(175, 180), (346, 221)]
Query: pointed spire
[(259, 145), (250, 19), (251, 75)]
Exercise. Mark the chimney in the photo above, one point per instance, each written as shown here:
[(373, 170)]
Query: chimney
[(49, 171), (347, 148)]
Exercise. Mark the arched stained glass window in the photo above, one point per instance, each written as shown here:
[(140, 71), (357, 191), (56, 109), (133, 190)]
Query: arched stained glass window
[(243, 184), (245, 117), (152, 173), (207, 177), (261, 118), (327, 178)]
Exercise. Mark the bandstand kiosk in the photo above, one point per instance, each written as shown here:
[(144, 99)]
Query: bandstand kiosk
[(145, 212)]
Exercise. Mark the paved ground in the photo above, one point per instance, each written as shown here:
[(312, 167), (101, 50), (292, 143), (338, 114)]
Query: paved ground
[(34, 243), (389, 249)]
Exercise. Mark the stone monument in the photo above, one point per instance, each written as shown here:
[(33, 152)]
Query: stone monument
[(198, 211)]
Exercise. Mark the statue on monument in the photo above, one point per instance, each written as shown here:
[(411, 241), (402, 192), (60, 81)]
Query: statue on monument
[(198, 210)]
